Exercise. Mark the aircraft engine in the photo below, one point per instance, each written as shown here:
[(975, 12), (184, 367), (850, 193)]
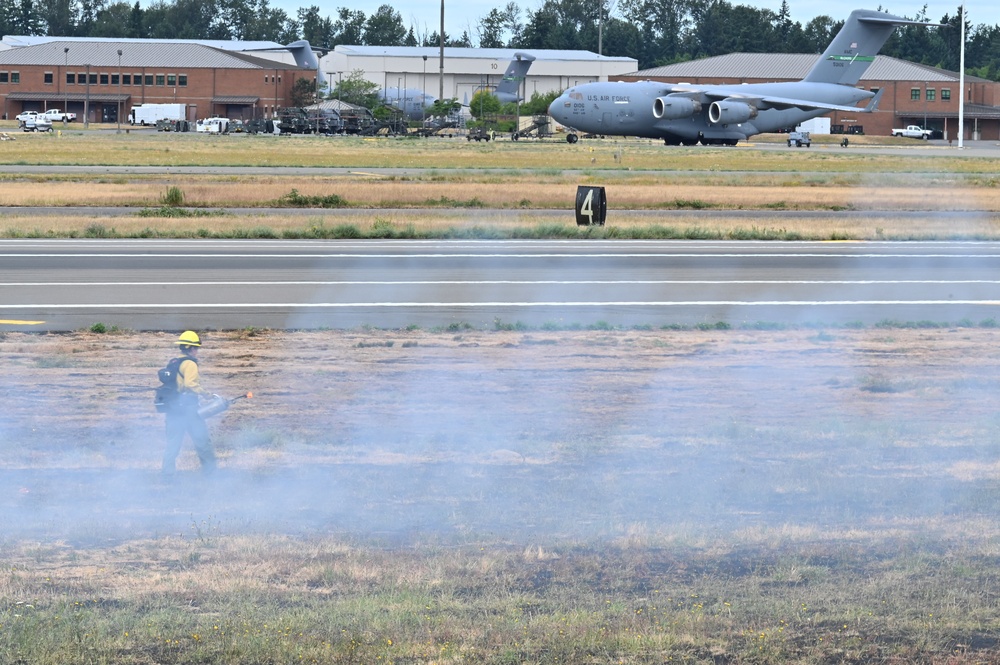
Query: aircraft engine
[(675, 107), (731, 112)]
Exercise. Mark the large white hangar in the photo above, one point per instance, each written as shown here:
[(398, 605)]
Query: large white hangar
[(467, 70)]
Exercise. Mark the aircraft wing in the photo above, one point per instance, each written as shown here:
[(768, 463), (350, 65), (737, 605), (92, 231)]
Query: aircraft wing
[(808, 105), (772, 102)]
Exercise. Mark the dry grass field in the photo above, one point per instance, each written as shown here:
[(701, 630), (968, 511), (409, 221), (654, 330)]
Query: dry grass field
[(457, 495), (449, 187)]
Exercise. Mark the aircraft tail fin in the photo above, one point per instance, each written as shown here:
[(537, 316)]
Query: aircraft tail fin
[(510, 86), (855, 47), (872, 105), (304, 57)]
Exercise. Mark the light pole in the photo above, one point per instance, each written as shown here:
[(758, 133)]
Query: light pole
[(924, 126), (65, 79), (441, 55), (86, 103), (118, 113), (961, 84), (423, 88)]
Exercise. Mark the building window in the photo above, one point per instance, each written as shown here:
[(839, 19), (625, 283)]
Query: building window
[(160, 78), (114, 79), (48, 78), (266, 77), (136, 79), (149, 79), (171, 80), (931, 94), (70, 79), (126, 79), (945, 94), (182, 80), (93, 79), (279, 78), (4, 77), (81, 79), (104, 79), (914, 94)]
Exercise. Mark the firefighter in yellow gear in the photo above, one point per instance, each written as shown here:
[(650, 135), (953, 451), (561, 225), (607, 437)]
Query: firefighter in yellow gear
[(182, 417)]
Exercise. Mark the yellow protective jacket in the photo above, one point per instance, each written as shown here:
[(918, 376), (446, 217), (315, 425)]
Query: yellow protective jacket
[(187, 377)]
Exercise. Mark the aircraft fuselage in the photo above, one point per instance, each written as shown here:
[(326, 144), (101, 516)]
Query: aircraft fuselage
[(649, 109)]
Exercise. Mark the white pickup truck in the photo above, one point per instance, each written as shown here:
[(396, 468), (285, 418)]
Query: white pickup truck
[(913, 132), (58, 115)]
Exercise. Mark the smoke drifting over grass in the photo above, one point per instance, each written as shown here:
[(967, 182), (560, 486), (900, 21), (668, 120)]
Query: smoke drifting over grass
[(529, 436)]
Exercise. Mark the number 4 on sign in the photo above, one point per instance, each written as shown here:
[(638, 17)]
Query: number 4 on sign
[(591, 206), (587, 207)]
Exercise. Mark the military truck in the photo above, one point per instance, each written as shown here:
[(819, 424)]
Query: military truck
[(799, 139)]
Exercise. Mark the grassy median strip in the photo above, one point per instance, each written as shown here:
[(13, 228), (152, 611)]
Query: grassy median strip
[(168, 222), (79, 148)]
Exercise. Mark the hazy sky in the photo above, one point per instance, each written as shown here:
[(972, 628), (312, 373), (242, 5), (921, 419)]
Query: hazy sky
[(424, 15)]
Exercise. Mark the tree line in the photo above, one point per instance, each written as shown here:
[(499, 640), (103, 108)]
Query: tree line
[(654, 32)]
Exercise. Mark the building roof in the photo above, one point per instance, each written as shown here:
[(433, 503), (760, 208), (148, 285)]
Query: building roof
[(17, 41), (334, 105), (793, 66), (135, 53), (432, 52), (67, 97)]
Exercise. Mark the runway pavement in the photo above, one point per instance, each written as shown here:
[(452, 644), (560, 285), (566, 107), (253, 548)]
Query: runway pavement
[(71, 284)]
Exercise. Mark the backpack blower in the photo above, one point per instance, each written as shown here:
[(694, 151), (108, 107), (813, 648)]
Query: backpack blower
[(217, 404)]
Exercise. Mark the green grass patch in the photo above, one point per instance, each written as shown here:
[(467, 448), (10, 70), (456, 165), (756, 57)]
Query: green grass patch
[(169, 211), (294, 199)]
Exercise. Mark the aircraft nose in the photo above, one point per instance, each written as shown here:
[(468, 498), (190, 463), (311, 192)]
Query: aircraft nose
[(555, 108)]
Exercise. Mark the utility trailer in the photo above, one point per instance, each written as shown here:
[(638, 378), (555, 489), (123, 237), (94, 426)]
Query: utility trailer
[(149, 114)]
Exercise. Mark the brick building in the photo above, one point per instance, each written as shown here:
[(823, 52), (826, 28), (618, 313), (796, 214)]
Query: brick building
[(915, 94), (99, 79)]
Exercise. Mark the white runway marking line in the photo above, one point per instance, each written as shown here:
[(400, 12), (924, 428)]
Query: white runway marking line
[(499, 255), (468, 282), (473, 305)]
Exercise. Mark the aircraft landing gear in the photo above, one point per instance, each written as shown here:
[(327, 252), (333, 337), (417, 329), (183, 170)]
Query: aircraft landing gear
[(572, 138)]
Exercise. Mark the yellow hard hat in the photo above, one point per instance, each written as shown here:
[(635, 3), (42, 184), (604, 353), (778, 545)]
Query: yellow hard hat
[(188, 338)]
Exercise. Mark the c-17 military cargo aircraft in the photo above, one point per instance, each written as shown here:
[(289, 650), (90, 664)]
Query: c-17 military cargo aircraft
[(414, 102), (726, 114)]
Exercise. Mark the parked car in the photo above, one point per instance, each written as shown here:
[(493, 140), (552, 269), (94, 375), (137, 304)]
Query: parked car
[(25, 115)]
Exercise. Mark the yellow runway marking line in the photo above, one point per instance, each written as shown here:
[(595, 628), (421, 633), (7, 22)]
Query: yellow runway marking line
[(15, 322)]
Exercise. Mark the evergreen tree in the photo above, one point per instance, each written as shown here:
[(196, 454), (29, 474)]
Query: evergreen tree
[(349, 28), (20, 17), (303, 92), (136, 28), (384, 28), (316, 29), (60, 17), (112, 21)]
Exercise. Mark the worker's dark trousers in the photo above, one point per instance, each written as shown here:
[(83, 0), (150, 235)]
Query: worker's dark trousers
[(179, 423)]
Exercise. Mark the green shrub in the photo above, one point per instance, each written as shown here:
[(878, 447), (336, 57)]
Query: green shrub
[(295, 200), (174, 197)]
